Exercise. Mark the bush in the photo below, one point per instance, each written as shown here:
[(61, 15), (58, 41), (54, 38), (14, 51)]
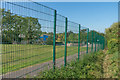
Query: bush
[(89, 66), (112, 45)]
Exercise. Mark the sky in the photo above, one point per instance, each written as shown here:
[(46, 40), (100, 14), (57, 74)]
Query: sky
[(94, 15), (63, 0)]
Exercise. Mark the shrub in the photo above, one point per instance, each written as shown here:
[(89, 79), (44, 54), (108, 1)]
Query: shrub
[(112, 45), (89, 66)]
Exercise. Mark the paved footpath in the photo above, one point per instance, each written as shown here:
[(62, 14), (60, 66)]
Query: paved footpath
[(35, 69)]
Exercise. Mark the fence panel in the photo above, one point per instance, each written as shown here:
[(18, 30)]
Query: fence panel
[(27, 37), (83, 40), (0, 39), (60, 40), (35, 37), (72, 40)]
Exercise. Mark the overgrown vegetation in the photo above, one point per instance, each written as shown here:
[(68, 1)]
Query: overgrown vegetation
[(89, 66), (93, 65), (111, 60)]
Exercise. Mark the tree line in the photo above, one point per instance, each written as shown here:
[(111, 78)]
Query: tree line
[(16, 28)]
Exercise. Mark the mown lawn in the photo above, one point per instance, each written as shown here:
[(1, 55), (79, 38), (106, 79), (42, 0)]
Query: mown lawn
[(15, 57)]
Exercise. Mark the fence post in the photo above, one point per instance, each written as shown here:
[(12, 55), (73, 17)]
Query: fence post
[(79, 42), (54, 41), (103, 43), (65, 54), (95, 41), (87, 39), (92, 42), (98, 42)]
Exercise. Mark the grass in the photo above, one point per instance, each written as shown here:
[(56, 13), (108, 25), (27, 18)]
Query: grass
[(89, 66), (15, 57), (93, 65)]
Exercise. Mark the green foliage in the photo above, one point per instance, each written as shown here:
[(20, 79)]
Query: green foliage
[(112, 32), (112, 45), (73, 37), (96, 65), (111, 65), (89, 66), (16, 28)]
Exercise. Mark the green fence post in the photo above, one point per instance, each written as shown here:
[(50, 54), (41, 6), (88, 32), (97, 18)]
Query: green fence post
[(79, 42), (103, 43), (54, 41), (95, 41), (92, 42), (87, 39), (98, 42), (65, 54)]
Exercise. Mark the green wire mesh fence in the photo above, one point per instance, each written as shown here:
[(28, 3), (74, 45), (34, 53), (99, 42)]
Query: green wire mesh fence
[(35, 37), (72, 40)]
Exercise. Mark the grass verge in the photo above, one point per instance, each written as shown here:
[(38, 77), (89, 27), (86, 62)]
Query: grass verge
[(89, 66), (92, 65)]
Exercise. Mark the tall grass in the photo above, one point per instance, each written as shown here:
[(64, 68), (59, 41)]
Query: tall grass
[(89, 66)]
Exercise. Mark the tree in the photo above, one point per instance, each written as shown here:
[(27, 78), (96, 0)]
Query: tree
[(17, 28), (73, 37), (33, 29)]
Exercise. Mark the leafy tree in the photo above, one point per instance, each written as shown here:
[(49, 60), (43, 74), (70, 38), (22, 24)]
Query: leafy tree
[(33, 29), (73, 37), (14, 27)]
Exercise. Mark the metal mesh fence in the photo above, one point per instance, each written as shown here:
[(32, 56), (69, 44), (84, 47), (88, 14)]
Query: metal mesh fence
[(34, 38), (0, 40), (60, 39), (27, 35), (72, 40), (84, 39)]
